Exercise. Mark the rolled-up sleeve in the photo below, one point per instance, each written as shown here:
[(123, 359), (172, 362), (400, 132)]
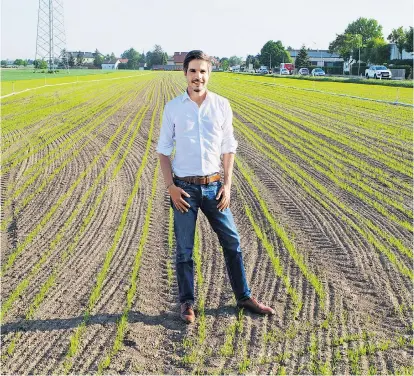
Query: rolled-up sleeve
[(229, 143), (166, 141)]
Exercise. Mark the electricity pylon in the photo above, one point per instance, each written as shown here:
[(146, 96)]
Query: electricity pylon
[(51, 38)]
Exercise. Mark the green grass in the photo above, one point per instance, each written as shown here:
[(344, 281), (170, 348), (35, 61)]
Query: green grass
[(9, 84), (30, 74)]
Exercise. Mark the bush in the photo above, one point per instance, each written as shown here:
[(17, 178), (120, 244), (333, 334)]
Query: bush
[(334, 70), (401, 62), (362, 68)]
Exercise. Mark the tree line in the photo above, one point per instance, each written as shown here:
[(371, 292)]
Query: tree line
[(361, 40)]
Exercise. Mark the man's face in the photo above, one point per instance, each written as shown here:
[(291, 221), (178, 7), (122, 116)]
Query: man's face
[(197, 75)]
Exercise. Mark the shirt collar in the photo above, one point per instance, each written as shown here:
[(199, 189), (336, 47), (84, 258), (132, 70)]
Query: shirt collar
[(186, 96)]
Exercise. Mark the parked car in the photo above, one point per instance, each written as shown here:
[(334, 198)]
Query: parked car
[(378, 71), (284, 71), (304, 71), (318, 72), (263, 71)]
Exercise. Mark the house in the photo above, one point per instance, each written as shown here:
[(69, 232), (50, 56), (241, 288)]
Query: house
[(179, 58), (123, 61), (395, 54), (170, 60), (88, 57), (111, 64), (320, 58)]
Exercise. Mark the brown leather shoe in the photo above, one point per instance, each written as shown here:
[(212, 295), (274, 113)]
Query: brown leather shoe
[(254, 306), (187, 312)]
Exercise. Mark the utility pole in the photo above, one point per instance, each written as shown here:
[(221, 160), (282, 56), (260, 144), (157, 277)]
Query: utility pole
[(51, 37)]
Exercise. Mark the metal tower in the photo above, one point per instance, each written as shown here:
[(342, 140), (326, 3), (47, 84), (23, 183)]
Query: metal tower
[(51, 38)]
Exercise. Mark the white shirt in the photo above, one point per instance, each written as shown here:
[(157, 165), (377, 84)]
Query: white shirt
[(200, 134)]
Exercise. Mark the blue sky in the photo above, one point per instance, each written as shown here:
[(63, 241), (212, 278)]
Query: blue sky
[(220, 28)]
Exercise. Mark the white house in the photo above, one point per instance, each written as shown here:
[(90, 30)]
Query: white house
[(111, 64), (87, 57), (395, 54)]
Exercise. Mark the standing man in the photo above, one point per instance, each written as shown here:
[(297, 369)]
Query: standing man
[(199, 123)]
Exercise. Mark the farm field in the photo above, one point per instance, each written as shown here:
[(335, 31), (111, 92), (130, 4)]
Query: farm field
[(322, 197), (15, 80)]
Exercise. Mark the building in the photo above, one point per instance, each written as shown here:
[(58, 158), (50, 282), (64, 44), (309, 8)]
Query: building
[(395, 54), (88, 57), (111, 64), (320, 58), (179, 58)]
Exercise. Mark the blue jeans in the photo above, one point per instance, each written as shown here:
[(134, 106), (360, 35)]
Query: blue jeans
[(204, 197)]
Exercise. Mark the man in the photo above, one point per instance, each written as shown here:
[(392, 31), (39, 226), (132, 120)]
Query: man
[(199, 122)]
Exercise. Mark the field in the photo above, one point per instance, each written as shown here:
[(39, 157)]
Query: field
[(322, 197), (16, 80)]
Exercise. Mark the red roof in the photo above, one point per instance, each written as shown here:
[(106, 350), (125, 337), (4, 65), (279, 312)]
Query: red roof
[(123, 61), (179, 57)]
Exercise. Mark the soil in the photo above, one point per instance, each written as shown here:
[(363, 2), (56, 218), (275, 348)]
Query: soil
[(368, 303)]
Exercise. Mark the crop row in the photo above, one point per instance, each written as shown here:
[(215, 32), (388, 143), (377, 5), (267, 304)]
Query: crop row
[(289, 106), (51, 127), (19, 249), (76, 337), (324, 165), (130, 135), (321, 135), (328, 157), (328, 200), (66, 147), (123, 321)]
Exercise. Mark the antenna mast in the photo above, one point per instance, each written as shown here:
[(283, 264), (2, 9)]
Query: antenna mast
[(51, 37)]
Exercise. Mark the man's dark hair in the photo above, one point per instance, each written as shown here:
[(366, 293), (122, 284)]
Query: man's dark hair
[(196, 55)]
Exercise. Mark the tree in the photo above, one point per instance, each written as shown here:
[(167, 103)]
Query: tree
[(40, 64), (25, 63), (235, 60), (224, 62), (398, 36), (302, 60), (80, 59), (64, 60), (376, 51), (148, 59), (275, 53), (367, 28), (134, 58), (158, 56), (18, 62), (98, 59), (356, 38), (72, 61), (3, 62), (409, 40), (112, 56), (253, 60)]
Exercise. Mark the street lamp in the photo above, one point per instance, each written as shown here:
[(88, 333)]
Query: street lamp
[(317, 49), (359, 40)]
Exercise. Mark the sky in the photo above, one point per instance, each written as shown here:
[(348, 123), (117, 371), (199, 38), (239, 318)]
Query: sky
[(220, 28)]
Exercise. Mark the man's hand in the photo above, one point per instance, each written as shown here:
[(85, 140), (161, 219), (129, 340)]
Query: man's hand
[(224, 193), (176, 194)]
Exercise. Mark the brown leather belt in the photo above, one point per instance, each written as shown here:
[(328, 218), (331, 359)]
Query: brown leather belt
[(200, 180)]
